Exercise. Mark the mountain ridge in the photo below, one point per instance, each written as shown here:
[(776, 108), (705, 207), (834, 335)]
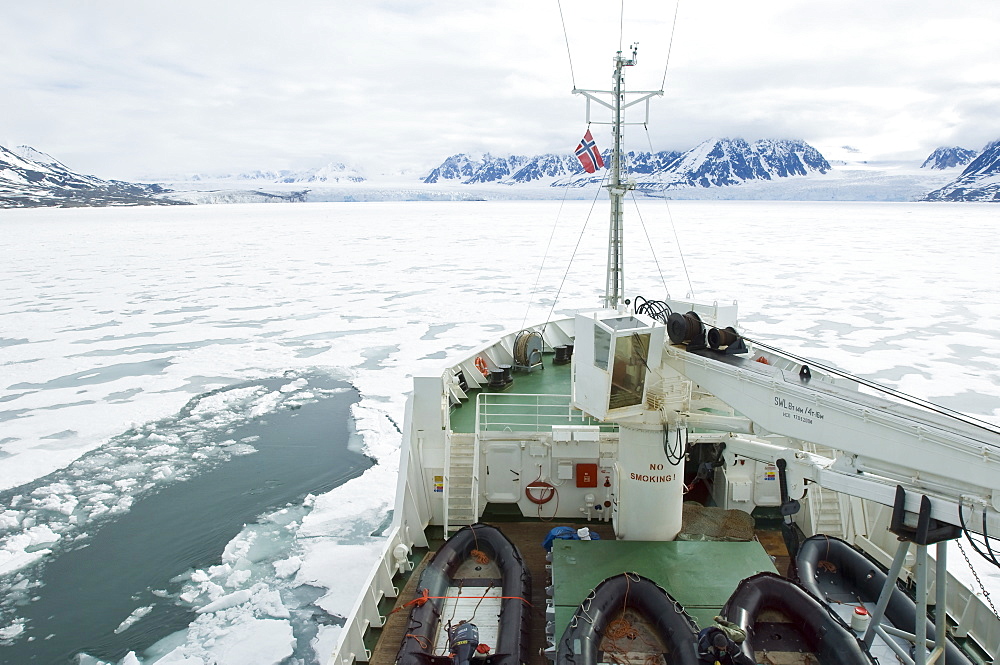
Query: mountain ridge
[(949, 157), (980, 181), (726, 168), (712, 163), (30, 178)]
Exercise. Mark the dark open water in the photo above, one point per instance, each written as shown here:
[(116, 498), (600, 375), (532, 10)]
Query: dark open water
[(87, 591)]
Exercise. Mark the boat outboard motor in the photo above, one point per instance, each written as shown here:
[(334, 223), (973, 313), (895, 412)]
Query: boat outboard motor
[(463, 642), (715, 646)]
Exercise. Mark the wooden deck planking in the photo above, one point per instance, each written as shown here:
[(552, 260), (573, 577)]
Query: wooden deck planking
[(396, 622), (528, 537)]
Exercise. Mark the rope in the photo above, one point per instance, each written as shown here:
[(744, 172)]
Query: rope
[(423, 599), (454, 607), (476, 608), (477, 553), (622, 627), (521, 355), (566, 37), (424, 643)]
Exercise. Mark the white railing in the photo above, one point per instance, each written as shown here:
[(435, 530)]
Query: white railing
[(522, 412), (410, 517), (365, 613), (446, 489)]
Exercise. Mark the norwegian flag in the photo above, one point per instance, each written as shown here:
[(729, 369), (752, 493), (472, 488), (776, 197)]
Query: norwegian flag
[(588, 154)]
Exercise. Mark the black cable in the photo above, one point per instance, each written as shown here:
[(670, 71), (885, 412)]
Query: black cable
[(656, 309), (675, 453), (989, 555)]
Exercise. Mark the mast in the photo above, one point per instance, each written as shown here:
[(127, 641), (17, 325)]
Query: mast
[(614, 289)]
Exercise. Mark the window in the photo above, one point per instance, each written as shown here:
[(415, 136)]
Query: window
[(628, 376), (602, 347)]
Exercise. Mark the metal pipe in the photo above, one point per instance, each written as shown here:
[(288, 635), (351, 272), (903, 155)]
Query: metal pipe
[(887, 589)]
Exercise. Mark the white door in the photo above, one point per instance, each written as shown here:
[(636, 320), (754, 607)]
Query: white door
[(503, 472)]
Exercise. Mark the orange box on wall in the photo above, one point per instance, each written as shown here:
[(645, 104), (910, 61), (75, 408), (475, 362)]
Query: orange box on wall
[(586, 475)]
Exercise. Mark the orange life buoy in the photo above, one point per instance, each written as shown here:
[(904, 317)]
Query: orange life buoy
[(481, 366), (545, 491)]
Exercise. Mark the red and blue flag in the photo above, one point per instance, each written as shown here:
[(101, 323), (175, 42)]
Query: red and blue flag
[(588, 154)]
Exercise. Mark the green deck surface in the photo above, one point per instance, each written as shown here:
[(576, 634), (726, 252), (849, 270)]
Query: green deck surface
[(699, 575), (552, 380)]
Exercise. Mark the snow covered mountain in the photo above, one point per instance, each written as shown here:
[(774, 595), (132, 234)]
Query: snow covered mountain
[(725, 162), (948, 158), (469, 169), (980, 181), (31, 178), (713, 163), (332, 173)]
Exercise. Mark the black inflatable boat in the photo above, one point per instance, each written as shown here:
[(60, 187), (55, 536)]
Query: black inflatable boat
[(838, 573), (477, 576), (629, 613), (779, 616)]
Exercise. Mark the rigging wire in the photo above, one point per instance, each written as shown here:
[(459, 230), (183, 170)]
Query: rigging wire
[(545, 255), (670, 218), (572, 76), (575, 249), (670, 44), (650, 241)]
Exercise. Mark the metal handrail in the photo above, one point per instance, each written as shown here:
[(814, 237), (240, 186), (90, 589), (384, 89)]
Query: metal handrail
[(527, 412)]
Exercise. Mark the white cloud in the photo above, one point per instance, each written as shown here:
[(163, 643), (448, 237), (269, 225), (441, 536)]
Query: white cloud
[(124, 89)]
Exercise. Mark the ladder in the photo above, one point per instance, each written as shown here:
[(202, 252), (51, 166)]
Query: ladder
[(825, 505), (461, 481)]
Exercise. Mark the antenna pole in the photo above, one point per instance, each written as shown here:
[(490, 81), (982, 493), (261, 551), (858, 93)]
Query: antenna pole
[(614, 290)]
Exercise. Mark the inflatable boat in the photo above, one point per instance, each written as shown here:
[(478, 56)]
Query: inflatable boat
[(478, 576), (837, 573), (779, 616), (626, 615)]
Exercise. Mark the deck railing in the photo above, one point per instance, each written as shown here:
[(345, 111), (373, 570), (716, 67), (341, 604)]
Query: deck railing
[(522, 412)]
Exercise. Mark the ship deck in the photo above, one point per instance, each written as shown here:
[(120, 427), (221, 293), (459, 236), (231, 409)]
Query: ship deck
[(548, 379), (700, 575)]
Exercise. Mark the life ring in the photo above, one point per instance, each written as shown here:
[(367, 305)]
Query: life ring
[(481, 366), (545, 491)]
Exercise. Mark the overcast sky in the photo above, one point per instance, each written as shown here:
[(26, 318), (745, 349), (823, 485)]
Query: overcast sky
[(133, 89)]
